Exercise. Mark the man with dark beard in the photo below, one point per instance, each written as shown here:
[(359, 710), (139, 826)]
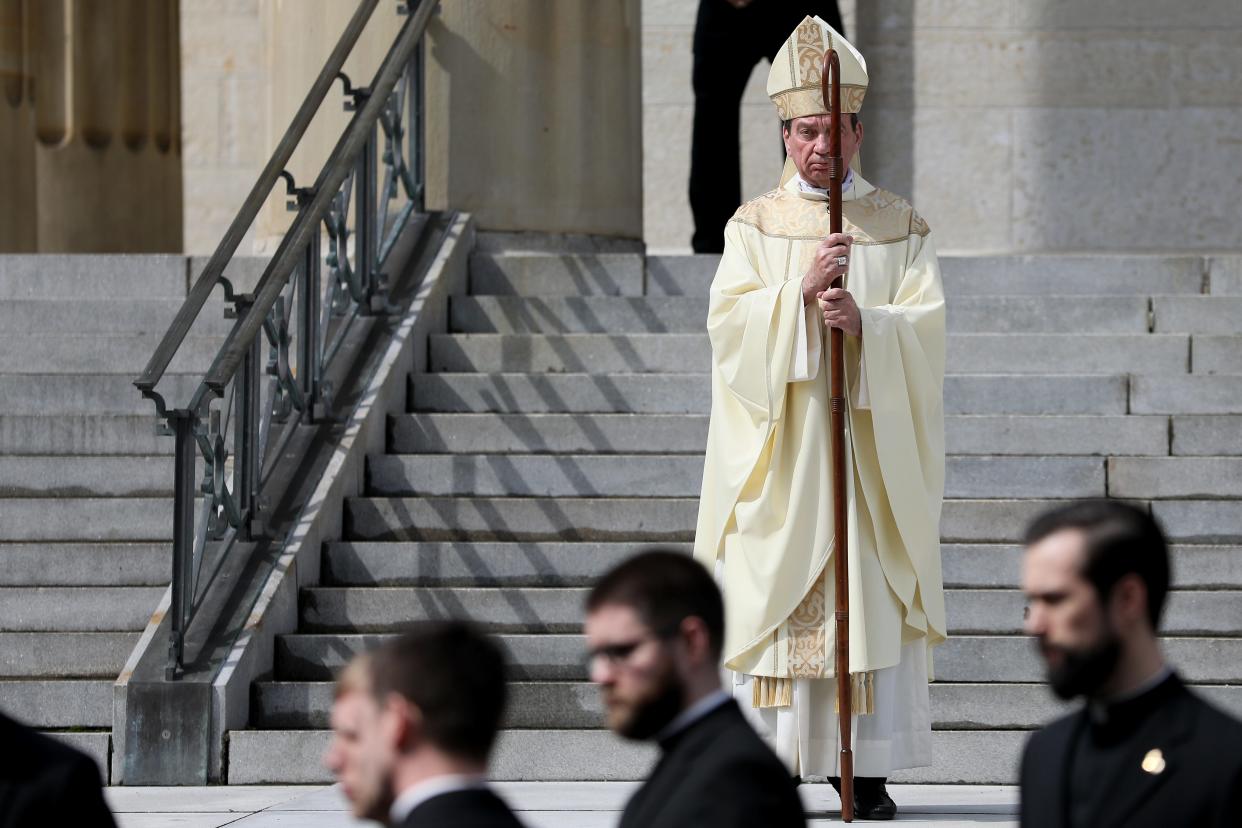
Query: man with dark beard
[(655, 628), (1144, 750)]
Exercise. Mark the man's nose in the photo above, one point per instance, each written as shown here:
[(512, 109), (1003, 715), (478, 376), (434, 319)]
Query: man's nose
[(601, 671)]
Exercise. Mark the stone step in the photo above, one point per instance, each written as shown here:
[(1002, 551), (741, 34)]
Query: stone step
[(577, 705), (1200, 521), (665, 520), (1218, 434), (82, 434), (58, 703), (92, 276), (318, 657), (1175, 477), (85, 564), (52, 655), (560, 609), (962, 658), (1038, 275), (681, 353), (90, 476), (77, 609), (363, 564), (671, 433), (1199, 566), (96, 744), (981, 394), (535, 274), (1216, 354), (126, 519), (681, 475), (105, 316), (1196, 314), (96, 394), (102, 353), (1220, 394), (688, 314)]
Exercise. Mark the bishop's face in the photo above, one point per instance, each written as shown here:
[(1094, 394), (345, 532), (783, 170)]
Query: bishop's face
[(1071, 624), (806, 141)]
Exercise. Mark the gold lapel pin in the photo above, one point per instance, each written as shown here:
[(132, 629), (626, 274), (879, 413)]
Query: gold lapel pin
[(1153, 762)]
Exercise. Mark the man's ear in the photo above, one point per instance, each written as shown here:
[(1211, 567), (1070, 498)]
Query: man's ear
[(403, 723), (1129, 599), (697, 639)]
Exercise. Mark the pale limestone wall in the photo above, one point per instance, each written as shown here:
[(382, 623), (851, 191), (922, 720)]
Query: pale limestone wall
[(247, 65), (534, 114), (224, 77), (1032, 125)]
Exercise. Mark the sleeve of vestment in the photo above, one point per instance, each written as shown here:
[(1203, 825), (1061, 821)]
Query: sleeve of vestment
[(753, 322), (902, 438)]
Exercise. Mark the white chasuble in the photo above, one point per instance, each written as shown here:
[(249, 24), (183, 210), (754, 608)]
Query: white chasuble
[(765, 516)]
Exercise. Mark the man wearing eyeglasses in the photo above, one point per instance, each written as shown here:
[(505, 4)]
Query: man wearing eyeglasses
[(655, 628)]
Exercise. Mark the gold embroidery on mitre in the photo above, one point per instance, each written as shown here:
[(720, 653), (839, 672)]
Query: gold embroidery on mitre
[(810, 48), (805, 100)]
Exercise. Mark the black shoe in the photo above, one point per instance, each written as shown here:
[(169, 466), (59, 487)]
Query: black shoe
[(797, 780), (871, 799)]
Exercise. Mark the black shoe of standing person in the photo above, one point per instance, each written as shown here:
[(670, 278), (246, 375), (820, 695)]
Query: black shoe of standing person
[(871, 799)]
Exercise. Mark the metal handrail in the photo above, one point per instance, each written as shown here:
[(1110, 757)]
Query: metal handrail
[(212, 273), (302, 319)]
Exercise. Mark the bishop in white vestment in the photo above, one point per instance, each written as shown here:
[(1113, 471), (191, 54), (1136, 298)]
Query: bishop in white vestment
[(765, 517)]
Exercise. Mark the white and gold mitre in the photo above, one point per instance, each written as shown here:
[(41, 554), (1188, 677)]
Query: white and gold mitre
[(794, 81)]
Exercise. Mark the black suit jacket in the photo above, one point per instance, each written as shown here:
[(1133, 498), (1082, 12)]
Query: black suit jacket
[(1199, 785), (475, 808), (44, 782), (717, 773)]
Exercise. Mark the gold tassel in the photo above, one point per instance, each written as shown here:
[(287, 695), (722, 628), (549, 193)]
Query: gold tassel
[(862, 694), (770, 691)]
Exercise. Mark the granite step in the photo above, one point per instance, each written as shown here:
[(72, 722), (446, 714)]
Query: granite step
[(681, 475), (672, 433), (82, 434), (108, 519), (52, 703), (538, 274), (577, 705), (558, 609), (466, 564), (995, 394), (55, 655), (1207, 394), (85, 564), (92, 277), (682, 353), (72, 476), (41, 354), (688, 314), (100, 393), (105, 316), (962, 658), (77, 609)]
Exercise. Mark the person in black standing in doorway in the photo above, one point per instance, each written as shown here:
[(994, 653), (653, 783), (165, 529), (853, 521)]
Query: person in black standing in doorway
[(730, 37)]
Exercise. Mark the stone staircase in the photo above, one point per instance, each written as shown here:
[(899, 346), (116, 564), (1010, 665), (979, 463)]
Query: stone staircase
[(85, 481), (560, 425)]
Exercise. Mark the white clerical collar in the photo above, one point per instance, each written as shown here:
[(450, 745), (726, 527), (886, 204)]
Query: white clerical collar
[(807, 187), (693, 713), (416, 795)]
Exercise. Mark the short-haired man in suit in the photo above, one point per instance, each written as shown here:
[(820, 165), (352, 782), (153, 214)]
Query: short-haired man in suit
[(413, 725), (44, 781), (1144, 750), (655, 627)]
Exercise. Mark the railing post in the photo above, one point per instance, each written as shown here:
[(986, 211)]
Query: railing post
[(310, 368), (246, 442), (415, 113), (365, 231), (183, 537)]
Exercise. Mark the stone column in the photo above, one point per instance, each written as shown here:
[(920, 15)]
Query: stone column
[(91, 126), (534, 114)]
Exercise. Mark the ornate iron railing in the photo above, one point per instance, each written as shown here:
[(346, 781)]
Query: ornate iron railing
[(235, 422)]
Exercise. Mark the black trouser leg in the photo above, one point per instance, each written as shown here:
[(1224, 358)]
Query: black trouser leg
[(720, 77)]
